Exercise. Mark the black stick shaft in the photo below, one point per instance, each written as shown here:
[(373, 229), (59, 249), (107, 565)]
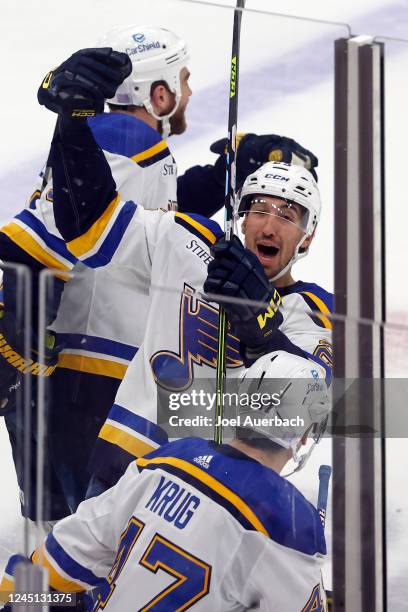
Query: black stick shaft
[(230, 192)]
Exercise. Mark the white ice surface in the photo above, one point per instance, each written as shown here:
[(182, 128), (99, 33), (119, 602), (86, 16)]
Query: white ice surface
[(287, 88)]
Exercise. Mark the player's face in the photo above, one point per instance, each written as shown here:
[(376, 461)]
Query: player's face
[(178, 122), (272, 231)]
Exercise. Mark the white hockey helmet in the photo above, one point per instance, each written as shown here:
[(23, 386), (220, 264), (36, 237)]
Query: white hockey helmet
[(293, 183), (299, 397), (157, 54)]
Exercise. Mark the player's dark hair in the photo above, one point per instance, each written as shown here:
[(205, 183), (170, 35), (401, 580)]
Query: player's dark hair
[(256, 440)]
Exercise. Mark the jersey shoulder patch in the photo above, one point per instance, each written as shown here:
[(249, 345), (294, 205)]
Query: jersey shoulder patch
[(256, 496), (208, 230), (125, 135)]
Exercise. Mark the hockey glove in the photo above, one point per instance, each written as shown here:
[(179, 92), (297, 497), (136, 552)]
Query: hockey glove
[(79, 87), (253, 151), (236, 272), (13, 365)]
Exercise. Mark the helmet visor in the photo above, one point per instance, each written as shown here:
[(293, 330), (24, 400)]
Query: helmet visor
[(283, 210)]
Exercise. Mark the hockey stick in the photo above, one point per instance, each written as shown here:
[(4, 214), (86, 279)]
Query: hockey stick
[(324, 478), (230, 188)]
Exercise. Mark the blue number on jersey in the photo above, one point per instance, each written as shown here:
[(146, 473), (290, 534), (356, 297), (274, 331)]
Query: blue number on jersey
[(127, 541), (192, 575)]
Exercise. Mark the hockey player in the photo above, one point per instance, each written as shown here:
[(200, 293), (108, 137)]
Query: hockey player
[(171, 250), (96, 326), (204, 526)]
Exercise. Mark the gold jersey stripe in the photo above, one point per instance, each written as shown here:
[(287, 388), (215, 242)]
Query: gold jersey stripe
[(81, 245), (129, 443), (211, 482), (92, 365), (198, 226), (55, 580), (322, 307), (157, 148), (26, 242)]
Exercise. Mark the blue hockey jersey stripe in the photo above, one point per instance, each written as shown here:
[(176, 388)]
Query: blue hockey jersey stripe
[(206, 229), (123, 134), (68, 564), (288, 517), (149, 161), (114, 237), (12, 562), (138, 424), (55, 243), (95, 344)]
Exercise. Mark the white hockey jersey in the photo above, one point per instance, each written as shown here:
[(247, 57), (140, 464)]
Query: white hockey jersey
[(96, 321), (168, 254), (227, 534)]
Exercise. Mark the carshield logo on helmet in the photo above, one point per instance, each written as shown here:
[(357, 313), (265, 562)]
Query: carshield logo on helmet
[(142, 47), (139, 38)]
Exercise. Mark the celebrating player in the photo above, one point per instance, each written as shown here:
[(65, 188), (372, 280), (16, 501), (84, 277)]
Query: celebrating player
[(172, 250), (96, 325), (194, 524)]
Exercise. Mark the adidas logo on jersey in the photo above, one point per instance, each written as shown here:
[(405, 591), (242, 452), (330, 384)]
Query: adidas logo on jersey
[(203, 460)]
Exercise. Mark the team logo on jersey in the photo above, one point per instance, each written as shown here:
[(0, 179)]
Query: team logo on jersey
[(198, 330), (203, 460), (315, 602)]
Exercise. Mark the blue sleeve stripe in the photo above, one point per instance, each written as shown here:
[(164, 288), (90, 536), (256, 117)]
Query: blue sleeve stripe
[(108, 248), (12, 562), (205, 229), (208, 223), (95, 344), (138, 424), (68, 564), (320, 293), (53, 242), (154, 158)]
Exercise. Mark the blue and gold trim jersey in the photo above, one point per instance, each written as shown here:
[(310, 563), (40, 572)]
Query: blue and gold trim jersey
[(94, 302), (126, 135), (256, 496), (306, 329), (191, 525)]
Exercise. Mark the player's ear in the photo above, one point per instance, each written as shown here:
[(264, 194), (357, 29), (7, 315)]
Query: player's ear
[(160, 97), (307, 242), (303, 440)]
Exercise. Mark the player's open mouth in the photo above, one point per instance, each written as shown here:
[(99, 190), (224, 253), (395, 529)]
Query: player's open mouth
[(267, 251)]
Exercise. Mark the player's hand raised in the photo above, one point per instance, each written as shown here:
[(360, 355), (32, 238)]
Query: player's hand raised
[(81, 84), (254, 150)]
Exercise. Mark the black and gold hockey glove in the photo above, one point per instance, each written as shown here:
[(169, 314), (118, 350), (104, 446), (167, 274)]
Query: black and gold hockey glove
[(253, 151), (13, 364), (236, 272), (80, 85)]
